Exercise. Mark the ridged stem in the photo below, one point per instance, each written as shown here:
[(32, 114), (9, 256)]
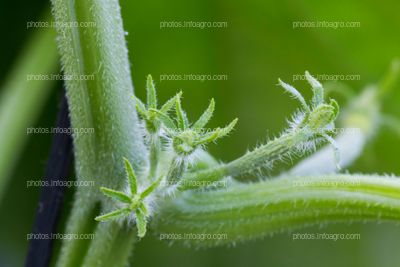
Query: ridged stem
[(250, 211), (97, 47)]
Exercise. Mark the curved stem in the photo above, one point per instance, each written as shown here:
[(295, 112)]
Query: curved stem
[(284, 204)]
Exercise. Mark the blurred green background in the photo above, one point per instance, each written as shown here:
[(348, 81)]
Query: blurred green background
[(258, 47)]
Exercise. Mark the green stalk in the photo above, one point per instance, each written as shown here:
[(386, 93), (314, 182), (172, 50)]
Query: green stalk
[(154, 157), (259, 158), (104, 105), (21, 100), (118, 245), (176, 169), (250, 211)]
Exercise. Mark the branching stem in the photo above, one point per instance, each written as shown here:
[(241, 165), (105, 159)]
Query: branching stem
[(258, 158)]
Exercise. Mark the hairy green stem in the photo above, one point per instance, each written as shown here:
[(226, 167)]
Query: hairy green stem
[(251, 211), (80, 221), (123, 246), (97, 47), (176, 169), (267, 153), (259, 158), (155, 151), (118, 246)]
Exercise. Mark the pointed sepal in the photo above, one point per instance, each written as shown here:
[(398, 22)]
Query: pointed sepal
[(131, 177), (151, 188), (318, 90), (140, 108), (116, 195), (180, 115), (170, 103), (141, 223), (151, 93), (165, 119), (112, 215), (294, 93), (226, 130), (205, 117)]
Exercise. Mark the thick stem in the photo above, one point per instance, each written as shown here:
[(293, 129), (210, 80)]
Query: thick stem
[(80, 221), (116, 240), (251, 211), (97, 47)]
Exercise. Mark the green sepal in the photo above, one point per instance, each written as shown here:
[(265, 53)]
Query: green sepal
[(113, 215), (116, 195), (151, 93), (131, 177), (205, 117)]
